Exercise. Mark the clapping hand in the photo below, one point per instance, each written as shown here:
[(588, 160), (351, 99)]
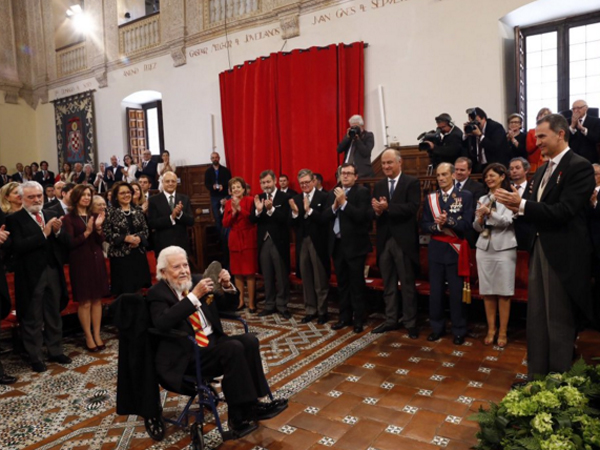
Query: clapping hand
[(258, 204), (293, 206), (340, 197), (510, 199), (177, 210), (100, 220), (442, 219), (235, 204), (306, 204), (379, 206), (3, 234)]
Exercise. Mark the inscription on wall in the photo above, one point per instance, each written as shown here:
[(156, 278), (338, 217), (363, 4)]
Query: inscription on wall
[(72, 89), (348, 11), (230, 43)]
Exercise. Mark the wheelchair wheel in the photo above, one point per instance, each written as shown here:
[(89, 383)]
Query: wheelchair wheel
[(197, 436), (155, 427)]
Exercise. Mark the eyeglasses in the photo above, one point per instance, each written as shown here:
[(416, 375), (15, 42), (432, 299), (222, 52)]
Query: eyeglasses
[(515, 121), (348, 173), (577, 108), (304, 183)]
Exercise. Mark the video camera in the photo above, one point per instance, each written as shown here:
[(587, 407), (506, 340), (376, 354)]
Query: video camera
[(434, 136), (472, 124)]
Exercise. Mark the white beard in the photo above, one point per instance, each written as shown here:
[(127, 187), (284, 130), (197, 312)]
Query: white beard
[(182, 286), (34, 209)]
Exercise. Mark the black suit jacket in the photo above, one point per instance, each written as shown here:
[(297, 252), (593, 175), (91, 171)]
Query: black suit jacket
[(355, 219), (276, 225), (32, 253), (151, 170), (559, 218), (79, 179), (494, 144), (4, 180), (5, 303), (16, 177), (524, 230), (361, 147), (587, 146), (400, 220), (449, 149), (55, 207), (168, 313), (210, 180), (164, 233), (117, 175), (312, 226), (477, 190), (44, 181)]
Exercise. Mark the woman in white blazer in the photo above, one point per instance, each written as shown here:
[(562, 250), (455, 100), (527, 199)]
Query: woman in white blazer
[(496, 253)]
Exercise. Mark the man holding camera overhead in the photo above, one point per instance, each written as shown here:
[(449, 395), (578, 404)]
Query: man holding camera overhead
[(357, 146), (485, 140), (444, 144)]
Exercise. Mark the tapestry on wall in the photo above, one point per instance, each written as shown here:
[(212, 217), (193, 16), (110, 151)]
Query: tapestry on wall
[(75, 137)]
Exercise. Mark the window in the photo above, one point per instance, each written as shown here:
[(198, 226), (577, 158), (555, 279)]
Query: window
[(559, 63)]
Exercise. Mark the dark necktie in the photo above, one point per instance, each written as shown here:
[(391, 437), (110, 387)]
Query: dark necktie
[(392, 187), (269, 196), (171, 202), (458, 186)]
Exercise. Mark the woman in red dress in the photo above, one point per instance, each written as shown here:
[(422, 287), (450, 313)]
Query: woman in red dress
[(534, 155), (243, 256), (89, 281)]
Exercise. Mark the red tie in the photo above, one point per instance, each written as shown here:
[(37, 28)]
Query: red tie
[(39, 220), (200, 337)]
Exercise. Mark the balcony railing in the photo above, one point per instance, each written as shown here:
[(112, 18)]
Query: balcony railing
[(71, 59), (139, 35), (219, 10)]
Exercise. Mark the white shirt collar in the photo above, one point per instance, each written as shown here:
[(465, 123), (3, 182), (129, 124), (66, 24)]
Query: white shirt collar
[(449, 191), (396, 179), (272, 193), (167, 195), (556, 160)]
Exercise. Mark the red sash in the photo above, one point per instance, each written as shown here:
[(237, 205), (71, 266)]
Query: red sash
[(461, 246)]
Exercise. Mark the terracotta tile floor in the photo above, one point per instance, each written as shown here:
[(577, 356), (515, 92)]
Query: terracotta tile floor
[(393, 393)]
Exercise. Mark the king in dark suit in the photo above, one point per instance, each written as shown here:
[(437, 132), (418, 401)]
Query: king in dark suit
[(559, 267), (271, 212), (447, 215), (178, 301), (169, 215), (396, 201), (312, 257), (348, 215), (40, 287)]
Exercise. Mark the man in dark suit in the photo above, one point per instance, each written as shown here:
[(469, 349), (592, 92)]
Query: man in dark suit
[(188, 304), (584, 132), (79, 174), (486, 140), (357, 146), (319, 183), (594, 224), (57, 195), (348, 215), (450, 145), (447, 214), (4, 177), (36, 238), (148, 167), (462, 181), (519, 168), (559, 268), (284, 186), (61, 207), (5, 304), (18, 175), (216, 180), (312, 257), (113, 172), (271, 212), (44, 176), (169, 215), (396, 200)]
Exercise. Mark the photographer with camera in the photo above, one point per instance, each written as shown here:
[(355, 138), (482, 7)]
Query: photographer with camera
[(357, 146), (444, 144), (485, 140)]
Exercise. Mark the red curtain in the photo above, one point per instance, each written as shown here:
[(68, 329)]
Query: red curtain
[(288, 111)]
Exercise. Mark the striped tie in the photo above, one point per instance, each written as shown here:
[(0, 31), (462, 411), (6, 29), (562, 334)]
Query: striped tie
[(199, 336)]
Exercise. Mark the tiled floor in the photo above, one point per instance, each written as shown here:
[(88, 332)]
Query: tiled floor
[(347, 391)]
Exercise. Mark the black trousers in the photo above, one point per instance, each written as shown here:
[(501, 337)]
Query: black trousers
[(238, 359), (350, 273)]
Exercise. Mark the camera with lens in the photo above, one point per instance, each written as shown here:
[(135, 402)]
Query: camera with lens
[(431, 136), (353, 132), (472, 124)]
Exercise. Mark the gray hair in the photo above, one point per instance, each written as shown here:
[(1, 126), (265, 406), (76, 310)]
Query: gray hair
[(305, 172), (29, 185), (358, 119), (451, 166), (162, 261), (396, 153), (90, 166), (525, 163)]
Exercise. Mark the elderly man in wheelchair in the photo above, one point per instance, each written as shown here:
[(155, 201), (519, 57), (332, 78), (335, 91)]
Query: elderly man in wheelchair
[(190, 303)]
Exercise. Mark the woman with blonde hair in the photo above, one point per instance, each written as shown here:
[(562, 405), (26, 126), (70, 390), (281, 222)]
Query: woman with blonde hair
[(10, 200)]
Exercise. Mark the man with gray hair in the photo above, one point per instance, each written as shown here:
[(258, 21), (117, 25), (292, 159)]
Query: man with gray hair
[(518, 169), (584, 132), (36, 241), (357, 146), (312, 257)]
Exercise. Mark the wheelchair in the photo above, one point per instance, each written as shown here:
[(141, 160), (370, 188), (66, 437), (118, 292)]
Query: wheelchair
[(203, 395)]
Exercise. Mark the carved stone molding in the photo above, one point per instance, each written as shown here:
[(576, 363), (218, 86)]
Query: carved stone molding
[(290, 25), (40, 94), (178, 55), (11, 91), (101, 77)]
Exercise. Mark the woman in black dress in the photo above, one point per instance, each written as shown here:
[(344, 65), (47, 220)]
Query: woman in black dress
[(89, 281), (126, 232)]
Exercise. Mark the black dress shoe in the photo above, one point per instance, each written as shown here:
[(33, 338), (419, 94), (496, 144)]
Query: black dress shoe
[(340, 325), (383, 328), (286, 314), (7, 379), (266, 312), (459, 340), (242, 428), (38, 367), (358, 329), (323, 319), (94, 349), (308, 318), (101, 347), (265, 411), (252, 310), (519, 384), (435, 336), (61, 359), (413, 333)]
